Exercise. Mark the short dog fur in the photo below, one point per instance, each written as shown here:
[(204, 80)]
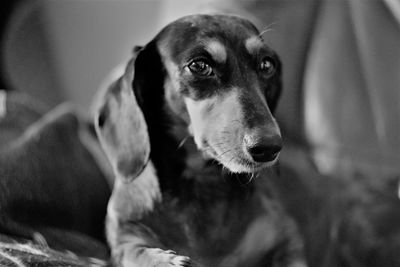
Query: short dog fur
[(186, 128)]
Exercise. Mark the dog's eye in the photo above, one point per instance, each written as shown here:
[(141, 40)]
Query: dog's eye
[(200, 67), (267, 65)]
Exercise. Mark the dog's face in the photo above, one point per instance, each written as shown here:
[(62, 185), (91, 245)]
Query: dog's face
[(224, 82)]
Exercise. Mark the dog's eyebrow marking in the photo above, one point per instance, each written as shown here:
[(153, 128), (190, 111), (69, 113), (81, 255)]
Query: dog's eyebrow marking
[(217, 50), (253, 44)]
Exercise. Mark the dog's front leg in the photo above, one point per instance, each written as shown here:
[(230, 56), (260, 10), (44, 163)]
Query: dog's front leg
[(135, 245), (146, 257)]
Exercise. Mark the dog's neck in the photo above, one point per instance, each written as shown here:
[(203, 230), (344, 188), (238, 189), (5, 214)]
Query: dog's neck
[(181, 166)]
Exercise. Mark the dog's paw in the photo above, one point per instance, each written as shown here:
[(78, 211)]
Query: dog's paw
[(167, 258)]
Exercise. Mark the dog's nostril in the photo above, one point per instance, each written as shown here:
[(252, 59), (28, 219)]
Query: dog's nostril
[(263, 153), (257, 150)]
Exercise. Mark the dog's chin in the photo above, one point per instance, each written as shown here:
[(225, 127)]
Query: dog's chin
[(238, 163), (244, 166)]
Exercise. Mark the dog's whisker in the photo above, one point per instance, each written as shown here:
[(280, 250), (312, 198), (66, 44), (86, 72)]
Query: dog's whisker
[(183, 141), (231, 159), (219, 144), (227, 151), (249, 180), (264, 32), (267, 29)]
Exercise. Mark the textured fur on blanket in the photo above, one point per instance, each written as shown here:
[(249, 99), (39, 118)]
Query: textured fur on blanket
[(23, 253)]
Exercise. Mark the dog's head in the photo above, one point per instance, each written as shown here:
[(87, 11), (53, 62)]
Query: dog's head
[(222, 80)]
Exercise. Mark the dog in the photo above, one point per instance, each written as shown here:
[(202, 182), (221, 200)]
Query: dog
[(189, 131)]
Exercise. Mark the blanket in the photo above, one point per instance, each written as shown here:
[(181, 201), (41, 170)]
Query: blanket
[(53, 193)]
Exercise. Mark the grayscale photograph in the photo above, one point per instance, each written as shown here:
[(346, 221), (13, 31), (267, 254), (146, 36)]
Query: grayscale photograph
[(200, 133)]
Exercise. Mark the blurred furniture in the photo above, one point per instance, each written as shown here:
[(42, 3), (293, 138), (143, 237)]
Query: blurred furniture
[(53, 191)]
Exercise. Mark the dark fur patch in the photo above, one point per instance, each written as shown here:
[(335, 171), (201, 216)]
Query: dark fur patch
[(148, 87)]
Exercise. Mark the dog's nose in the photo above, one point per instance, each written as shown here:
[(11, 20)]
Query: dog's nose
[(263, 149)]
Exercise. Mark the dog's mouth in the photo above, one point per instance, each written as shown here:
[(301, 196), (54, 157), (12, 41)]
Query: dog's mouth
[(235, 160)]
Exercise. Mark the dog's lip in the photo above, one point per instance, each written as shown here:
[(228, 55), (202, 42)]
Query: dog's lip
[(247, 166), (254, 166)]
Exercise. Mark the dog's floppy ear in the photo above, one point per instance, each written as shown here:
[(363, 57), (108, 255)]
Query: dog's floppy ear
[(121, 127), (148, 81)]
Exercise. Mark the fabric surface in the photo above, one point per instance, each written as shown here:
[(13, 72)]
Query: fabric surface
[(19, 253), (17, 112), (52, 190), (352, 87)]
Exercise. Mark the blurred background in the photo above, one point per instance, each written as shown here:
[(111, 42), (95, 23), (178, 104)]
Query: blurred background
[(340, 105)]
